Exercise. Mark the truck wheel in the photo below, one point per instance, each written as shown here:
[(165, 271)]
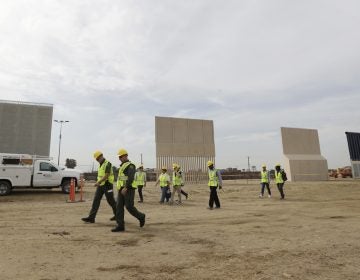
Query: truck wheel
[(5, 188), (65, 186)]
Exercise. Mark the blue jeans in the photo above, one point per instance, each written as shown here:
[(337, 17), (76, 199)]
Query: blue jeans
[(164, 194)]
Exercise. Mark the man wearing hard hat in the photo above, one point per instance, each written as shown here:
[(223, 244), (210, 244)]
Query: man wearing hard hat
[(164, 181), (176, 182), (104, 185), (126, 186), (140, 181), (265, 181), (280, 178), (215, 181)]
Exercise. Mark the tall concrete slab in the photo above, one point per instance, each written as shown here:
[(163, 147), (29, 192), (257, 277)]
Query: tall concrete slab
[(188, 142), (302, 156), (25, 127), (353, 139)]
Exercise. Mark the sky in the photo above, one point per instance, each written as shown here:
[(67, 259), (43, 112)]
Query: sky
[(252, 66)]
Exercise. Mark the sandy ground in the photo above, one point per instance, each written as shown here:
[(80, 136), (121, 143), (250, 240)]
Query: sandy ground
[(313, 234)]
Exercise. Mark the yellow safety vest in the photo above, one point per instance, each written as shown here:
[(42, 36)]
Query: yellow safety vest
[(122, 178), (278, 177), (176, 178), (264, 177), (140, 178), (164, 178), (101, 173), (213, 178)]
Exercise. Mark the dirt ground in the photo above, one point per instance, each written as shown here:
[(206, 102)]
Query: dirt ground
[(313, 234)]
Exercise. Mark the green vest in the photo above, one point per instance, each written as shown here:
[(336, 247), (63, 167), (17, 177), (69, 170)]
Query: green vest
[(101, 173), (264, 177), (122, 178), (176, 179), (140, 178), (278, 177), (213, 178), (163, 178)]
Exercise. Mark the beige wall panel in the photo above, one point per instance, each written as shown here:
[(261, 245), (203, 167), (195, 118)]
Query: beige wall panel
[(180, 130), (164, 131), (196, 134), (208, 129), (303, 160), (300, 141)]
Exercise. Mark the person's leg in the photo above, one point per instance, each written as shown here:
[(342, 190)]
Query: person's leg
[(140, 193), (211, 199), (110, 199), (184, 193), (120, 210), (96, 202), (268, 188), (129, 203), (216, 198), (168, 194), (281, 191), (163, 194), (262, 189), (172, 195), (178, 190)]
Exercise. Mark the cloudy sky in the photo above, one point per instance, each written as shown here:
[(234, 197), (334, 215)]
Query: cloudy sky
[(252, 66)]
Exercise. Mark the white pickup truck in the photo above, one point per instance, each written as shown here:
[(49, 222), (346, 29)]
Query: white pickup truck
[(33, 172)]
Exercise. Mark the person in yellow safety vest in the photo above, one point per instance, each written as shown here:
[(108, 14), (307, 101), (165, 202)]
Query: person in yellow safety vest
[(164, 181), (140, 181), (176, 182), (104, 185), (215, 181), (126, 192), (265, 181), (279, 180), (182, 182)]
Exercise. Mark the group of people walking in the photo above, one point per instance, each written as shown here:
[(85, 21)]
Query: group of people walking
[(129, 179), (127, 183), (280, 178)]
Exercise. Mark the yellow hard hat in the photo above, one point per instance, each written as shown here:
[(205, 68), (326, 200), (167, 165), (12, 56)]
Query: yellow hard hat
[(97, 154), (278, 164), (141, 166), (164, 168), (122, 152), (263, 166), (209, 163), (175, 165)]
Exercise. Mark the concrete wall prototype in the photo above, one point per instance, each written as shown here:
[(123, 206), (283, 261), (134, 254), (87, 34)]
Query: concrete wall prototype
[(302, 156), (188, 142), (25, 128)]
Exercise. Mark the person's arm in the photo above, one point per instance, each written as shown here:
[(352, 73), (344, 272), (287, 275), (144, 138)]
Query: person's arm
[(144, 179), (219, 177)]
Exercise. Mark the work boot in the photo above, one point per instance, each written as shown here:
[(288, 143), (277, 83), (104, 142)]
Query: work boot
[(140, 201), (142, 221), (88, 220), (118, 228), (210, 208), (113, 218)]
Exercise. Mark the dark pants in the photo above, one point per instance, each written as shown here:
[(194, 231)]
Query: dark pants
[(214, 198), (128, 202), (165, 195), (263, 185), (140, 193), (281, 189), (100, 191)]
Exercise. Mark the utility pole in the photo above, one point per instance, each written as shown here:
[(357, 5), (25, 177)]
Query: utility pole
[(61, 124), (141, 160), (248, 163)]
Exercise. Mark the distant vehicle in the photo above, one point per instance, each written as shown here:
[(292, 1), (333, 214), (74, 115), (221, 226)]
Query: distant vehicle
[(29, 171)]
